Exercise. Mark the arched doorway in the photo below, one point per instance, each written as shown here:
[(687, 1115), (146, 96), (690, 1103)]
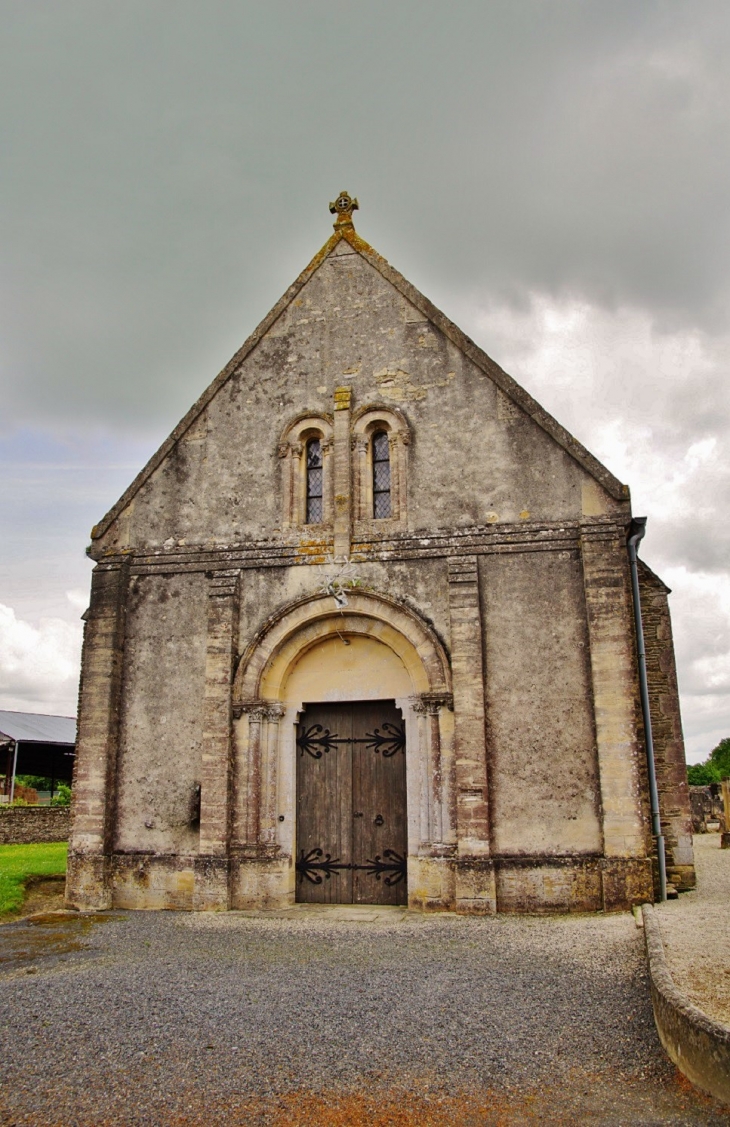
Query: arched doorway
[(351, 803), (322, 695)]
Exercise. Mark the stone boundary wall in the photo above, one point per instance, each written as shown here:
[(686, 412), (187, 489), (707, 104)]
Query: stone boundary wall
[(707, 806), (22, 825), (699, 1046)]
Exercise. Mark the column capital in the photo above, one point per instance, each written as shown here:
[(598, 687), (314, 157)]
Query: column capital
[(259, 710), (432, 703)]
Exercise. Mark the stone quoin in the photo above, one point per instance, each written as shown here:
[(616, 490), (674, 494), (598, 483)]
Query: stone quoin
[(362, 631)]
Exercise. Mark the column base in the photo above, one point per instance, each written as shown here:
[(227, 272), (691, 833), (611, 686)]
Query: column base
[(626, 882), (211, 887), (89, 881), (476, 886)]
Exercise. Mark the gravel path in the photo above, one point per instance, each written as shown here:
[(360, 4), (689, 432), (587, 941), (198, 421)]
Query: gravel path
[(696, 931), (326, 1018)]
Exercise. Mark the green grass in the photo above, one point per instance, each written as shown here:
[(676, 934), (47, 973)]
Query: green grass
[(20, 861)]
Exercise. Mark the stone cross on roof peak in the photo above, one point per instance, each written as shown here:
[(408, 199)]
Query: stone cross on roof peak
[(343, 208)]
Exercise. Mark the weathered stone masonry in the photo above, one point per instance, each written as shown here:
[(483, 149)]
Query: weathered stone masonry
[(493, 605), (22, 824), (666, 724)]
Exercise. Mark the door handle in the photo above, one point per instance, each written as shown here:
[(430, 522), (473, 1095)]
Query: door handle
[(379, 820)]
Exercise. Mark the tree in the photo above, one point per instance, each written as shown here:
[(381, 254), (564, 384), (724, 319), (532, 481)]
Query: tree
[(715, 767), (702, 774), (720, 758)]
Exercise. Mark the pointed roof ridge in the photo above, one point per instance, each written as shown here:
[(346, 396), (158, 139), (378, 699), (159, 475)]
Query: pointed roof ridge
[(346, 232)]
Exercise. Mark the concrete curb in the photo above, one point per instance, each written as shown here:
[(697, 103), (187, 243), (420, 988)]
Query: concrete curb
[(699, 1046)]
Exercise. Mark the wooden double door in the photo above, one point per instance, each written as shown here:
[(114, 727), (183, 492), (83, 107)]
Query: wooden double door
[(351, 804)]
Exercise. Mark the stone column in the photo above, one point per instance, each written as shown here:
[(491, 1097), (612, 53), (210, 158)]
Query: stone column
[(257, 810), (212, 863), (256, 711), (475, 888), (360, 492), (399, 441), (436, 790), (427, 773), (287, 454), (88, 883), (328, 500), (627, 871), (343, 473), (269, 807)]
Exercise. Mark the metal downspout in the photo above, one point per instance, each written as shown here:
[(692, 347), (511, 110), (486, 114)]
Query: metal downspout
[(636, 533)]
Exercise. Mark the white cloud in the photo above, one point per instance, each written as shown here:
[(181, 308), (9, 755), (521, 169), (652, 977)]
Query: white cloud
[(655, 408), (39, 664), (78, 598)]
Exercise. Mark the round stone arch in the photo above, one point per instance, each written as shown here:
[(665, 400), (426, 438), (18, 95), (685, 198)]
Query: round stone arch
[(265, 665), (267, 715)]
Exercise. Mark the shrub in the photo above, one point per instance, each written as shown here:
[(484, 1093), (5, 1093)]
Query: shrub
[(62, 797)]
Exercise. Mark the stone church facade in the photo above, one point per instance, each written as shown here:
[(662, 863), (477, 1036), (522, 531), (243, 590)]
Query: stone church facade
[(362, 631)]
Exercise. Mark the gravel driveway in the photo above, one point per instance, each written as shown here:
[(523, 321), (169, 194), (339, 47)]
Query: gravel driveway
[(326, 1017)]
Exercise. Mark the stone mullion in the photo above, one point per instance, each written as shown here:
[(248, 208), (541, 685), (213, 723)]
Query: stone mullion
[(343, 473), (89, 879), (472, 810), (211, 889)]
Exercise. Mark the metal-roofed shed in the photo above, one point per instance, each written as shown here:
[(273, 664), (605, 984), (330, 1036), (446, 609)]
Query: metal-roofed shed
[(36, 744)]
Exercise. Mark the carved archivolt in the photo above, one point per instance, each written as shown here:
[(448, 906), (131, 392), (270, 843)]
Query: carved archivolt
[(292, 450), (264, 768), (264, 666)]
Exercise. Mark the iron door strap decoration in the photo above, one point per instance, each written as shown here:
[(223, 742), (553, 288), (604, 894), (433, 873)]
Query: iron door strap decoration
[(391, 740), (316, 740), (316, 866)]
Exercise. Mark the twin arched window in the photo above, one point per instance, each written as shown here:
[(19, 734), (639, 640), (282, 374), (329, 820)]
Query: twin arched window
[(380, 450), (378, 438)]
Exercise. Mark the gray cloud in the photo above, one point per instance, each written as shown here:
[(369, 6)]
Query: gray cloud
[(169, 165), (554, 175)]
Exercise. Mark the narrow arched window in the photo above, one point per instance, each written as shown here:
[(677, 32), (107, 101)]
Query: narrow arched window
[(314, 481), (381, 475)]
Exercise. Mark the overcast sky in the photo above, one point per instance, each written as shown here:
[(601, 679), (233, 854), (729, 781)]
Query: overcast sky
[(554, 174)]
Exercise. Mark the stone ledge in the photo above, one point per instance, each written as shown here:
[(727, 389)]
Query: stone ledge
[(699, 1046)]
